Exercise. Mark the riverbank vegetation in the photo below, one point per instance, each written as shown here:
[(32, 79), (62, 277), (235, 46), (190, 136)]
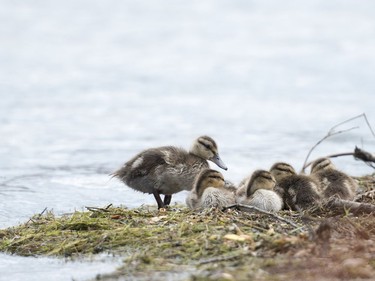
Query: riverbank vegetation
[(233, 244)]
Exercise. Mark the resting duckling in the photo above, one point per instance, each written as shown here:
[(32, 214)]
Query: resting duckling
[(333, 181), (298, 191), (258, 191), (168, 170), (210, 191), (230, 186)]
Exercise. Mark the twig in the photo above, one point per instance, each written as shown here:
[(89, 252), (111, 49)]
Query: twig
[(343, 206), (96, 209), (332, 132), (329, 156), (368, 124), (261, 211), (358, 154), (38, 216), (353, 118), (44, 210)]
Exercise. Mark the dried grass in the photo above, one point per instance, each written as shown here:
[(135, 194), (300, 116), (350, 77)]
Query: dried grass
[(209, 245)]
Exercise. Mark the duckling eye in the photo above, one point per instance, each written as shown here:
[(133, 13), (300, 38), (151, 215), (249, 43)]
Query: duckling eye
[(207, 146), (216, 177), (267, 177)]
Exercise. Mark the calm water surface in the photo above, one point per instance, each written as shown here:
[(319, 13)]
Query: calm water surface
[(85, 85)]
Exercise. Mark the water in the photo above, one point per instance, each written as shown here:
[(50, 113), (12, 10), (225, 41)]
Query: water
[(85, 85)]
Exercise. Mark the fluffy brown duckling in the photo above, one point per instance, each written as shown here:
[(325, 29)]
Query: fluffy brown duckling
[(332, 181), (298, 191), (258, 191), (168, 169), (209, 191)]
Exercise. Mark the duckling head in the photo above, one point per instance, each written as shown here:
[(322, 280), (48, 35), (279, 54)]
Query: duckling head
[(208, 178), (282, 170), (260, 179), (322, 164), (206, 148)]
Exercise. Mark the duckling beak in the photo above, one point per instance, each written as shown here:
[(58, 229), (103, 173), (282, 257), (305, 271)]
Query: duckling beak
[(217, 160)]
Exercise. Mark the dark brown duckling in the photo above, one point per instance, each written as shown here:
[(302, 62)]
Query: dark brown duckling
[(299, 192), (332, 181)]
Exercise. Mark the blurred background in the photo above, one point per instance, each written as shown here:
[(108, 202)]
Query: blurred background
[(87, 84)]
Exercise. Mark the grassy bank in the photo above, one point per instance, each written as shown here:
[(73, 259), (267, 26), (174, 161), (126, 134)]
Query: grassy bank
[(180, 244)]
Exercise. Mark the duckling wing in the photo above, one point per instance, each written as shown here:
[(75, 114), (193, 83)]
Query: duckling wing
[(267, 200), (167, 169), (216, 198), (337, 183), (142, 164), (192, 200), (140, 172)]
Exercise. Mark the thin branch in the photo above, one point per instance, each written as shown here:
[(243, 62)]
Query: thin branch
[(368, 124), (38, 216), (330, 134), (342, 206), (239, 206), (97, 209), (353, 118), (358, 154), (329, 156)]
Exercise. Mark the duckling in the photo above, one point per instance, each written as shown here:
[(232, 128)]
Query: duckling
[(209, 191), (333, 181), (230, 186), (298, 191), (168, 169), (257, 191)]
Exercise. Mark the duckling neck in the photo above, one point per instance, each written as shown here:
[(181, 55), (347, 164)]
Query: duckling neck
[(200, 190), (196, 153)]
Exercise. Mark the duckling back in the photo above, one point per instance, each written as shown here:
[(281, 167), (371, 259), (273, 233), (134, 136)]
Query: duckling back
[(267, 200), (167, 169), (258, 190), (213, 197), (297, 191), (332, 181)]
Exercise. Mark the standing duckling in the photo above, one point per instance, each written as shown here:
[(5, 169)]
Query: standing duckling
[(209, 191), (297, 191), (333, 182), (168, 170), (258, 191)]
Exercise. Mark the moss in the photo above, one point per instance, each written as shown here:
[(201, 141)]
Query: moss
[(210, 245)]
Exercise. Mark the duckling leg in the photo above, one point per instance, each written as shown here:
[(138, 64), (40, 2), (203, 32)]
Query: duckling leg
[(167, 199), (158, 199)]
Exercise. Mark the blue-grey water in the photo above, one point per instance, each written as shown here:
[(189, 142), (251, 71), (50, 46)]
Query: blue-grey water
[(86, 84)]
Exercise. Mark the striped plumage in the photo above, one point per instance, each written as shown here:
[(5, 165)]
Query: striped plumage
[(258, 190), (209, 191), (332, 181), (298, 191), (168, 170)]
